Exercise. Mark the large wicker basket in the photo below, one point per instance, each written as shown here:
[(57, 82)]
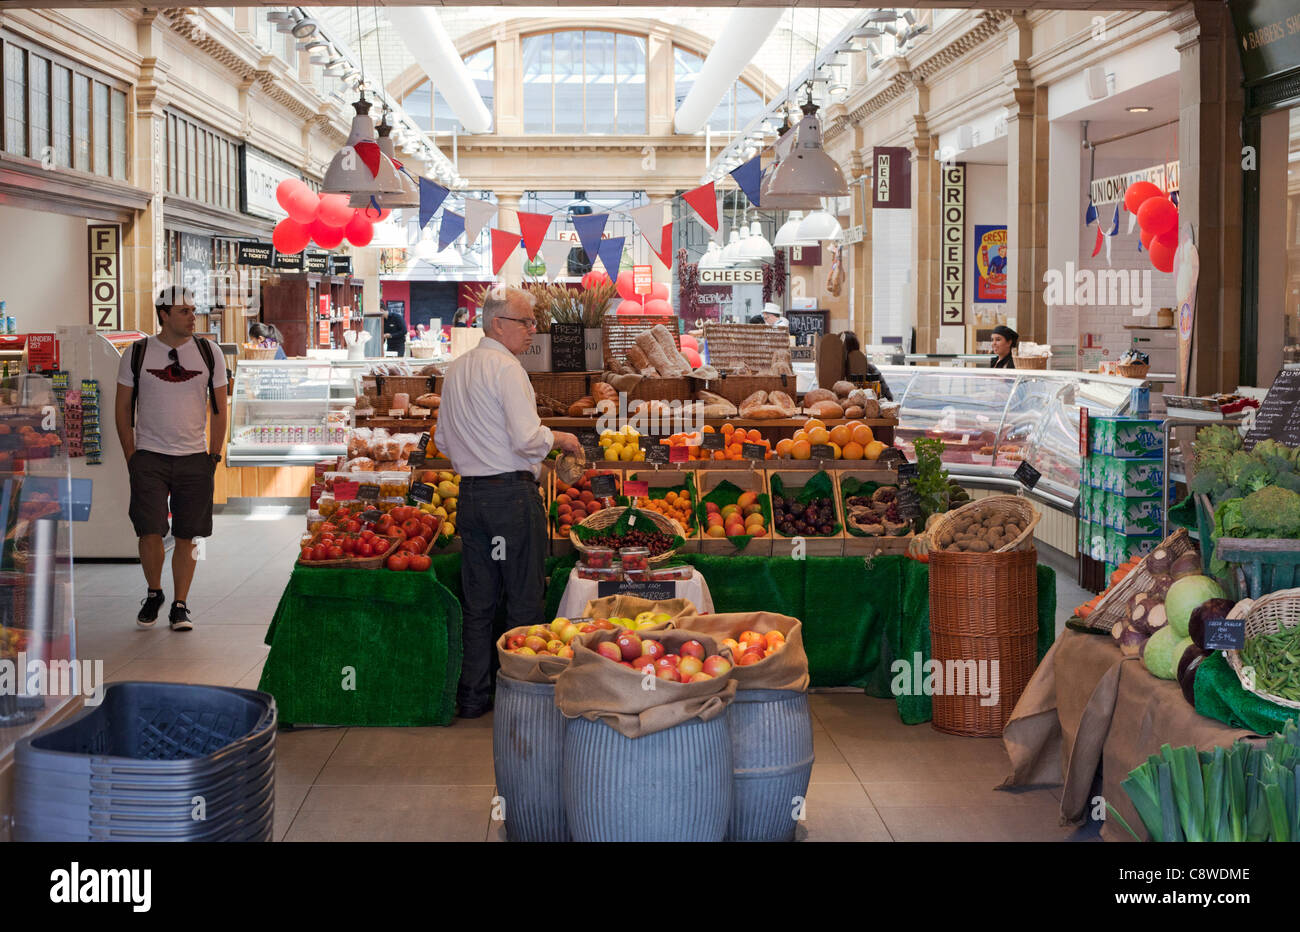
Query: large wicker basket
[(258, 352), (621, 330), (1269, 614), (413, 385), (1132, 372), (983, 608), (607, 517), (754, 345), (1030, 362), (566, 386), (1003, 506)]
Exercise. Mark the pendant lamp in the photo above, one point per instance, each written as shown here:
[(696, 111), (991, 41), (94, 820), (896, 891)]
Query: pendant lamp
[(410, 195), (731, 252), (756, 248), (808, 171), (710, 258), (820, 225), (348, 172), (788, 235)]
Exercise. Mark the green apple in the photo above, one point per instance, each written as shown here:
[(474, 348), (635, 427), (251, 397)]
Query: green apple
[(558, 625), (660, 617)]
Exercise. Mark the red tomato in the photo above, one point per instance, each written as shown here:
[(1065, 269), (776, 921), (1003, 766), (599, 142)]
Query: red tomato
[(420, 562), (411, 527), (399, 561), (421, 541), (364, 549), (426, 519), (328, 527), (349, 546), (354, 526), (367, 535), (336, 553), (384, 523), (306, 554), (320, 552)]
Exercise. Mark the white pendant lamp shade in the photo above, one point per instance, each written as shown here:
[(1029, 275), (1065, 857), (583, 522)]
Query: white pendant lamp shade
[(808, 170), (731, 252), (788, 235), (348, 173), (410, 195), (756, 248), (710, 258), (820, 225), (773, 201)]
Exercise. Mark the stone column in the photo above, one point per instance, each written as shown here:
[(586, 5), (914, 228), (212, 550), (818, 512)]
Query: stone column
[(926, 220), (512, 273), (1209, 196), (1022, 234), (508, 88), (143, 245), (860, 265), (660, 101)]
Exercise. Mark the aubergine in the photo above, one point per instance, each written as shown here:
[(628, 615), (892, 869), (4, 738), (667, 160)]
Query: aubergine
[(1202, 614), (1187, 669)]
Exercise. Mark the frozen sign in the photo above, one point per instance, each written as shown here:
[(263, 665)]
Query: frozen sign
[(952, 249), (105, 277)]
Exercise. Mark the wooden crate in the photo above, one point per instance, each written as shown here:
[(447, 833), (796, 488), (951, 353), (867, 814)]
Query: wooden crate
[(747, 480), (876, 546), (868, 546), (560, 543), (832, 546), (667, 478)]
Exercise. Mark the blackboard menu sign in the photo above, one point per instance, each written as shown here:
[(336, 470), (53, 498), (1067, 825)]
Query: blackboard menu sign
[(909, 503), (753, 451), (368, 493), (422, 492), (317, 263), (604, 486), (908, 470), (568, 348), (823, 451), (255, 254), (341, 265), (1028, 475), (656, 590), (714, 441), (656, 453), (587, 436), (416, 457), (1278, 417), (806, 326), (1225, 633), (288, 263)]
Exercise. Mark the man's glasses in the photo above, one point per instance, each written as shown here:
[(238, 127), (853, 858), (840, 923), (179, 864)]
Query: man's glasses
[(175, 367), (526, 321)]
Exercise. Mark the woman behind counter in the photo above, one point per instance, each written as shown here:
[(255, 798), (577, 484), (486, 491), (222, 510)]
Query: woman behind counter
[(267, 334), (1005, 340)]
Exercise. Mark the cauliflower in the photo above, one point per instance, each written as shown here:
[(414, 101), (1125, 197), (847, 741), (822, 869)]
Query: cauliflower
[(1275, 511)]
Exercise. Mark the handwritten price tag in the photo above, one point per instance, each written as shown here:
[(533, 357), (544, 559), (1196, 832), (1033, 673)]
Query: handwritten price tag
[(634, 488)]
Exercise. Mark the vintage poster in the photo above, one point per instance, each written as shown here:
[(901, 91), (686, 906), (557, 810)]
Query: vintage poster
[(990, 264)]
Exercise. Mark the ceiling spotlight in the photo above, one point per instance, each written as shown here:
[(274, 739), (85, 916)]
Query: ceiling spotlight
[(279, 16), (313, 43), (882, 16), (1139, 109), (838, 90), (909, 18), (868, 32), (304, 28)]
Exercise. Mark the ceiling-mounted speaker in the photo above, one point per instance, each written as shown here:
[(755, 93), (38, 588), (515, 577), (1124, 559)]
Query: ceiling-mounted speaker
[(1094, 79), (965, 137)]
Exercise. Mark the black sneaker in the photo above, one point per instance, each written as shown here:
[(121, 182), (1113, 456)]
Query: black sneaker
[(180, 617), (149, 606)]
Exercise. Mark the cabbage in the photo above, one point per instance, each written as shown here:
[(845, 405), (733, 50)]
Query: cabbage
[(1185, 595), (1163, 651)]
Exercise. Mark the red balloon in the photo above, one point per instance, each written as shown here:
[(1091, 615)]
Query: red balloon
[(626, 285), (1158, 214), (299, 201), (359, 230), (692, 356), (658, 290), (326, 237), (688, 340), (658, 307), (1146, 237), (1137, 193), (630, 307), (290, 237), (594, 280), (1162, 256), (334, 210)]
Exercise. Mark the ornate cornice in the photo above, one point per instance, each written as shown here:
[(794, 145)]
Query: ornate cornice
[(988, 25)]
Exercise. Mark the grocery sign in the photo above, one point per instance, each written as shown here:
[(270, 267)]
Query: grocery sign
[(952, 248), (105, 276)]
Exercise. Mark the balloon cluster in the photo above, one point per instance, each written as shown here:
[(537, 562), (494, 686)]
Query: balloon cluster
[(656, 302), (325, 219), (1157, 217)]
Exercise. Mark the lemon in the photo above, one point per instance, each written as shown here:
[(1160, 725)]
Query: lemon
[(448, 530), (628, 453), (614, 452), (606, 440), (640, 456)]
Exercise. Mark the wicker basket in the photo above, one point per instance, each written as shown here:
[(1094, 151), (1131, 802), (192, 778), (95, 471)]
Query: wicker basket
[(1269, 614), (1030, 362), (413, 385), (1002, 506), (607, 517), (566, 386), (754, 345), (1132, 372), (353, 563), (983, 608), (736, 388), (421, 351), (654, 389), (1113, 606), (621, 330), (258, 352)]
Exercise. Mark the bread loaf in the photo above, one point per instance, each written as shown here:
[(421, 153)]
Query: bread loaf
[(812, 396), (579, 407), (842, 388), (871, 408), (637, 359), (752, 402), (858, 397), (764, 412), (665, 339), (825, 409), (853, 411), (428, 400), (782, 402), (655, 354), (603, 391)]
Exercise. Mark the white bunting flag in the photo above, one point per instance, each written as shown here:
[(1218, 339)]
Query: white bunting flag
[(555, 253), (649, 220), (477, 214)]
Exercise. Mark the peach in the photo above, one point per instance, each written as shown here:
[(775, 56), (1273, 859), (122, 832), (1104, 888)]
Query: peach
[(746, 499)]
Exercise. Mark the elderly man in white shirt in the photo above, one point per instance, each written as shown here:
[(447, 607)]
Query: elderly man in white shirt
[(489, 428)]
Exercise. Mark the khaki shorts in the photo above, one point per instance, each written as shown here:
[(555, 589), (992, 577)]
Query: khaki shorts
[(181, 484)]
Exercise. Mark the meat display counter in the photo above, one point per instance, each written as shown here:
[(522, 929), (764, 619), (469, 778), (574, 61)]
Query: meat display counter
[(992, 420)]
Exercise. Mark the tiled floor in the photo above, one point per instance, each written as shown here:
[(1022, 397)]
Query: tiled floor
[(875, 779)]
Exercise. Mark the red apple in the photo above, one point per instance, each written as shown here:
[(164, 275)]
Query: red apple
[(692, 649), (629, 644), (565, 651), (667, 662), (515, 641), (700, 677), (587, 629), (641, 663), (689, 666), (603, 624), (652, 649), (750, 638), (610, 650), (669, 674), (554, 645), (733, 645), (750, 657), (774, 639), (535, 642), (716, 665)]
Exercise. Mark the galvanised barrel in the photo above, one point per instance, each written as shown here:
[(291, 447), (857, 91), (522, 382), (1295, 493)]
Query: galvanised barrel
[(527, 747), (772, 750)]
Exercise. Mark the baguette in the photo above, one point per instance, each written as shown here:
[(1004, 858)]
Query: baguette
[(637, 359), (676, 360), (825, 409), (764, 412)]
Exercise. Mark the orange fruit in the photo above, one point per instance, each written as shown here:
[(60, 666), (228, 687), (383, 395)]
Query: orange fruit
[(801, 450), (783, 447), (728, 427), (862, 435), (811, 423), (853, 450), (819, 435), (708, 429), (841, 435), (874, 449), (800, 434)]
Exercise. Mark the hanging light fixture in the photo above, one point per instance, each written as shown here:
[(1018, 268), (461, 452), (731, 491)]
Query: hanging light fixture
[(731, 251), (710, 258), (820, 225), (808, 170), (757, 247), (789, 236), (348, 172), (304, 28), (410, 194)]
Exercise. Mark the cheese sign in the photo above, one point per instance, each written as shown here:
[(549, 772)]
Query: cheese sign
[(952, 246), (105, 276)]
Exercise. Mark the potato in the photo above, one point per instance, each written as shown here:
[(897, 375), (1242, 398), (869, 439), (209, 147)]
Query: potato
[(945, 538), (978, 546)]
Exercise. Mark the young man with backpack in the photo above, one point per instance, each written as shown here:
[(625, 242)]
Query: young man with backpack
[(166, 384)]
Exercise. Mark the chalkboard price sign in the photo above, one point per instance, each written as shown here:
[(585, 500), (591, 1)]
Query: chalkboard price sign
[(807, 324), (753, 451), (909, 503), (1028, 475), (422, 492), (659, 590), (714, 441), (1279, 416), (823, 451), (908, 471), (604, 486), (568, 348), (656, 453), (587, 436), (1225, 633), (368, 493)]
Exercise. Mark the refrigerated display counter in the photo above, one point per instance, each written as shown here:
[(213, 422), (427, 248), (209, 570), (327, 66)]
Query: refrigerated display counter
[(289, 412), (992, 420)]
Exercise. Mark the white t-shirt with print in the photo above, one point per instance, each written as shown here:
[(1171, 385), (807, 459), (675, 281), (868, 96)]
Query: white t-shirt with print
[(172, 409)]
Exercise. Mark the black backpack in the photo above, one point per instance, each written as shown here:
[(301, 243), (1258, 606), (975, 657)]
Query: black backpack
[(137, 363)]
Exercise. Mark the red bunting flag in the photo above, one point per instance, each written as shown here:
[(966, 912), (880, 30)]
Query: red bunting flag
[(665, 250), (704, 202), (369, 154), (503, 244), (1100, 236), (534, 227)]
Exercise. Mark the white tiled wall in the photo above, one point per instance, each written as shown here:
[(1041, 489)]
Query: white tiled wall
[(892, 309)]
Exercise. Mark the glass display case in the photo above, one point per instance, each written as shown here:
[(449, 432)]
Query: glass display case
[(289, 412), (992, 420), (37, 633)]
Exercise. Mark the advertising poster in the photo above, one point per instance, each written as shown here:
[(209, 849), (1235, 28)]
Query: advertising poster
[(990, 264)]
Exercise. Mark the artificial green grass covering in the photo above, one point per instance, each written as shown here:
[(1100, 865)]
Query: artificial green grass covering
[(727, 493), (1219, 696), (365, 647), (819, 485)]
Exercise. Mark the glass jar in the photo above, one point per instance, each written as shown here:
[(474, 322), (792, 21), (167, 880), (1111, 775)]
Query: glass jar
[(599, 557)]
